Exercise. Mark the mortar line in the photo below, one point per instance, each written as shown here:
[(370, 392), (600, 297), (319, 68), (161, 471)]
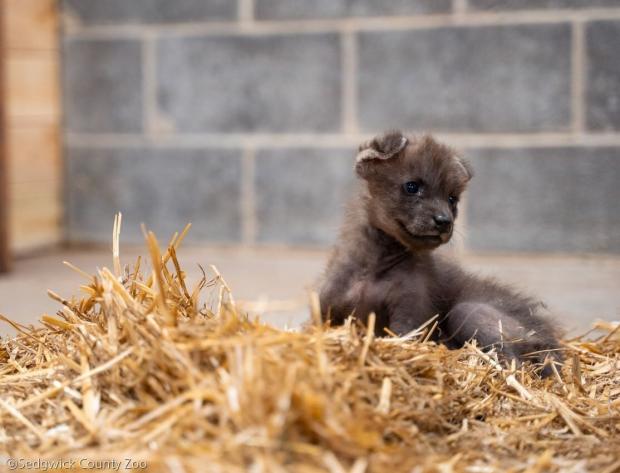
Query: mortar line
[(348, 44), (245, 13), (149, 86), (248, 195), (459, 7), (467, 19), (578, 57), (274, 141)]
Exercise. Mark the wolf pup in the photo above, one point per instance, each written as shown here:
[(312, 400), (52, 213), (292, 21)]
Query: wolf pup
[(384, 261)]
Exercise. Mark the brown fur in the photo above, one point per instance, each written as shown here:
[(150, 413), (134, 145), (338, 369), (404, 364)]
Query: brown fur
[(383, 262)]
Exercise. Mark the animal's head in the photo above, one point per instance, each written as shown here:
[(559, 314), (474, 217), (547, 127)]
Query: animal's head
[(414, 186)]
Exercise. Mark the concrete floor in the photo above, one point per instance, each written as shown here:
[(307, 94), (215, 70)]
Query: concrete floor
[(578, 289)]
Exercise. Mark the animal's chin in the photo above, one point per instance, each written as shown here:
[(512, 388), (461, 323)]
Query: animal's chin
[(427, 241)]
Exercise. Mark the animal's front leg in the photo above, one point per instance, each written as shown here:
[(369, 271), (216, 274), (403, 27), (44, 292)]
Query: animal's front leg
[(409, 313), (492, 328), (338, 298)]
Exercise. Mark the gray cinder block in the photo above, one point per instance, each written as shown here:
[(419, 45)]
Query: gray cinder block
[(301, 194), (483, 79), (304, 9), (98, 12), (538, 4), (546, 199), (603, 75), (164, 188), (102, 85), (283, 83)]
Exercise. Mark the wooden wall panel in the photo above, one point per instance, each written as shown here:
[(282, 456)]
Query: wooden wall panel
[(38, 151), (31, 24), (35, 215), (32, 111), (4, 177), (32, 85), (35, 186)]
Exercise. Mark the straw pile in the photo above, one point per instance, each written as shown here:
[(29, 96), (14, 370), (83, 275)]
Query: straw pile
[(139, 368)]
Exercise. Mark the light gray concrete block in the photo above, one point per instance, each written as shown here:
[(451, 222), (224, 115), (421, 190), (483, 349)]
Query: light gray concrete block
[(98, 12), (483, 79), (603, 75), (301, 194), (283, 83), (102, 86), (303, 9), (545, 199), (164, 188), (538, 4)]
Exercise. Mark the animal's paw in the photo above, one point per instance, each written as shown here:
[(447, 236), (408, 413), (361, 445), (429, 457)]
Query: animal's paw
[(494, 329), (541, 353)]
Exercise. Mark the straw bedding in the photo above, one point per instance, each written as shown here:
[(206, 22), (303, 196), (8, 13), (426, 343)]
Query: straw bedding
[(142, 367)]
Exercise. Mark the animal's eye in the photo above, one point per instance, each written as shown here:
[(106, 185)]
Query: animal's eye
[(411, 187), (453, 200)]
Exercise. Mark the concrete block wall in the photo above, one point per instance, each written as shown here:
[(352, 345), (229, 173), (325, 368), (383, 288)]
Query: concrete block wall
[(242, 116)]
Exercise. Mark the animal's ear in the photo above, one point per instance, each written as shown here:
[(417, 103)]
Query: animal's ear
[(465, 166), (381, 147)]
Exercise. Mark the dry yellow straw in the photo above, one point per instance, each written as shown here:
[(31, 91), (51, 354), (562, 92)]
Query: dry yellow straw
[(140, 368)]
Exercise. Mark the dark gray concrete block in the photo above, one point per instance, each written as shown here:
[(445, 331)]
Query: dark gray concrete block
[(102, 85), (164, 188), (303, 9), (603, 75), (284, 83), (538, 4), (545, 199), (98, 12), (483, 79), (301, 193)]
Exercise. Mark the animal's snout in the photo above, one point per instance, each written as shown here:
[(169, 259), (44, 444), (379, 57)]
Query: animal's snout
[(443, 223)]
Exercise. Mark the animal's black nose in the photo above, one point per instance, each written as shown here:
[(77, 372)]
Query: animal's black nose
[(442, 222)]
